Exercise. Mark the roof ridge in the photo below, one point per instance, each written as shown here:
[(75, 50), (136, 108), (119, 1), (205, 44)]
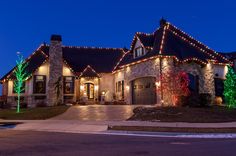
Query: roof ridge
[(87, 47), (142, 33)]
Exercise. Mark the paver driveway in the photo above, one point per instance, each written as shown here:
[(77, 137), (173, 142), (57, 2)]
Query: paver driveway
[(97, 113)]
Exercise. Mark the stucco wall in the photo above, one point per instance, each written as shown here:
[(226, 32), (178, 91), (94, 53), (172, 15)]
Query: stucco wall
[(220, 71), (107, 84), (119, 76), (28, 95)]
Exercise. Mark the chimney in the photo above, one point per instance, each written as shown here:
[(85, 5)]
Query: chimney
[(162, 22), (55, 71)]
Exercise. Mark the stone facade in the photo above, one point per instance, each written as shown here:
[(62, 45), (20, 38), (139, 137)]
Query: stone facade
[(151, 68), (55, 71)]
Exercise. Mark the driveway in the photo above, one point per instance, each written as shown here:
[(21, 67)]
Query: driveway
[(97, 113)]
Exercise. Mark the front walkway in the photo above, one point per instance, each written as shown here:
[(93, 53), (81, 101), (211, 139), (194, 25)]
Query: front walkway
[(97, 113)]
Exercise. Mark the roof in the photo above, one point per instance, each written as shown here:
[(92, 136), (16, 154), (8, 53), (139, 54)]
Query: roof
[(103, 60), (229, 55), (34, 61), (168, 40)]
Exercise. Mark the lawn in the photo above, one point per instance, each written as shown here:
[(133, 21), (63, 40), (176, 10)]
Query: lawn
[(185, 114), (40, 113)]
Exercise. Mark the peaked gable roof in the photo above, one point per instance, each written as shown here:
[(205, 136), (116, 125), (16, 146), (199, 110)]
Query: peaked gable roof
[(168, 40), (89, 72), (34, 61)]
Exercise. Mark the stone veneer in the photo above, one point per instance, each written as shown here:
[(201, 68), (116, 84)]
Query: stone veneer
[(145, 69), (55, 70), (151, 68)]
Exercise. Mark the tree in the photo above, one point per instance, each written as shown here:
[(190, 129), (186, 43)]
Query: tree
[(174, 85), (58, 88), (21, 76), (230, 88)]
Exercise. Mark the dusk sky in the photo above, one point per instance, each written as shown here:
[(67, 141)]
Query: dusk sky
[(26, 24)]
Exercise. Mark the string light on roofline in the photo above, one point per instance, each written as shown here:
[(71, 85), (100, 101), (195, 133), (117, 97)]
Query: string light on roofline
[(89, 67), (214, 52)]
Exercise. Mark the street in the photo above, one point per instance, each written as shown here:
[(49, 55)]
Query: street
[(52, 143)]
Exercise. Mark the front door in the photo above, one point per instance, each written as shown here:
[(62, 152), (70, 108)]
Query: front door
[(89, 87)]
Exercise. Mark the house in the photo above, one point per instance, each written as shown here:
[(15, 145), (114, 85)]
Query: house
[(94, 74)]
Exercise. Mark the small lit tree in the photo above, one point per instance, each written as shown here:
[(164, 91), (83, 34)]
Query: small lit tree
[(230, 88), (174, 85), (21, 76)]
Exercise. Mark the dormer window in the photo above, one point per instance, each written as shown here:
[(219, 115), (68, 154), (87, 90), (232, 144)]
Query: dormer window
[(138, 52)]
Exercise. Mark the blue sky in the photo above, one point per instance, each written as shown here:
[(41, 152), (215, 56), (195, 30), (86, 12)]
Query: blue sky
[(26, 24)]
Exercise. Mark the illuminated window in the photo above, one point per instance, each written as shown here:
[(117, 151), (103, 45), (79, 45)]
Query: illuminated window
[(138, 52), (39, 84), (68, 85)]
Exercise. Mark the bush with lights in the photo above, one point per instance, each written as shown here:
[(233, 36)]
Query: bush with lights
[(230, 88)]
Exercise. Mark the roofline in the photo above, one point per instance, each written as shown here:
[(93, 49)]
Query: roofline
[(174, 57), (12, 70)]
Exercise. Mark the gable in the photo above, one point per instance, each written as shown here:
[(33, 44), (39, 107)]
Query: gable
[(170, 41)]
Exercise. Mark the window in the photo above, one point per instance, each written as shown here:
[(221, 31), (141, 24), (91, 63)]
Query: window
[(39, 84), (68, 85), (194, 83), (23, 87), (120, 87), (138, 52)]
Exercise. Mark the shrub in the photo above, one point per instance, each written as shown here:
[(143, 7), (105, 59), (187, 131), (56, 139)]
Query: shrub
[(205, 99), (182, 101), (23, 105), (197, 100), (218, 100), (41, 104)]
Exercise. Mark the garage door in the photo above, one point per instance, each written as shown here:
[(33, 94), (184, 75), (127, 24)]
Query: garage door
[(144, 91)]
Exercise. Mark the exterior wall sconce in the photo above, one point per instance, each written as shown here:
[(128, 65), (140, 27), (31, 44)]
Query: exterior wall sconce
[(82, 87), (103, 93), (96, 87), (127, 87), (158, 84)]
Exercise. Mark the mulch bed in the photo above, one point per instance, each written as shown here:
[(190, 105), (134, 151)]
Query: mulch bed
[(214, 114)]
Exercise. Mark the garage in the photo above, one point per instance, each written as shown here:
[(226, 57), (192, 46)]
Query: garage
[(144, 90)]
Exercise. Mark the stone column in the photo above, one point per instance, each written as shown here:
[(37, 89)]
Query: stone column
[(208, 80), (55, 71), (167, 66)]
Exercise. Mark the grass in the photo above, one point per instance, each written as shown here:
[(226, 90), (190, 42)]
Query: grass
[(173, 129), (213, 114), (40, 113)]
